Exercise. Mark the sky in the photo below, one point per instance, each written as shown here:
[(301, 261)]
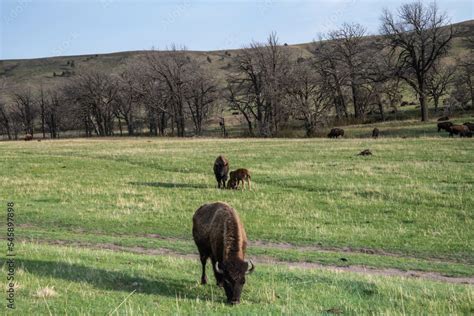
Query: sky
[(43, 28)]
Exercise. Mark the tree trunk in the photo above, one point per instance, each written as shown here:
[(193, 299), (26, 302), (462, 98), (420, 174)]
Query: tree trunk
[(424, 110), (120, 126), (43, 119), (380, 104), (436, 103)]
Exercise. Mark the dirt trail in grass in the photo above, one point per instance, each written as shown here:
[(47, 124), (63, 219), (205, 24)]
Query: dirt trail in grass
[(434, 276)]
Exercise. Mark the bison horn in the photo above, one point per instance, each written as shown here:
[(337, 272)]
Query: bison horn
[(217, 268), (251, 267)]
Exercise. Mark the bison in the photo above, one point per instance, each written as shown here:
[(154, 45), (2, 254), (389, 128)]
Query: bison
[(445, 125), (28, 137), (220, 235), (470, 126), (461, 130), (221, 169), (375, 133), (365, 152), (238, 176), (336, 132), (444, 118)]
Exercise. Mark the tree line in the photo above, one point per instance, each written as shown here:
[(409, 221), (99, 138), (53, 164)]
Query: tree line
[(347, 76)]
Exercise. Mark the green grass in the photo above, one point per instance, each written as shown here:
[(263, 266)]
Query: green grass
[(305, 191), (407, 207), (101, 282)]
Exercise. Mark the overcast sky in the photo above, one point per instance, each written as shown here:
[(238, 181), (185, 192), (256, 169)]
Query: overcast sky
[(41, 28)]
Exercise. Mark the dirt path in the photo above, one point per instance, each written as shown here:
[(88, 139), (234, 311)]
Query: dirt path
[(277, 245), (434, 276)]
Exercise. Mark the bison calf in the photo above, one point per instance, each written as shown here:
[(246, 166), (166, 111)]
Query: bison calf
[(220, 235), (238, 176), (336, 132), (221, 169), (445, 125)]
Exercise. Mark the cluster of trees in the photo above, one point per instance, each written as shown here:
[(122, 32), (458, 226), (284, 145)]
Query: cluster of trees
[(162, 92), (347, 76)]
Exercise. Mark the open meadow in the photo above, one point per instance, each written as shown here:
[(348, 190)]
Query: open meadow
[(104, 225)]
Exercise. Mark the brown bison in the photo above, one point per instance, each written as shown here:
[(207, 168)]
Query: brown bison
[(375, 133), (220, 235), (470, 126), (221, 169), (28, 137), (336, 132), (461, 130), (444, 125), (444, 118), (239, 176), (365, 152)]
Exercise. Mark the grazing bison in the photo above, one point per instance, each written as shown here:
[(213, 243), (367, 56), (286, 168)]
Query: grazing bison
[(238, 176), (445, 125), (365, 152), (28, 137), (220, 235), (336, 132), (221, 169), (444, 118), (470, 126), (461, 130), (375, 133)]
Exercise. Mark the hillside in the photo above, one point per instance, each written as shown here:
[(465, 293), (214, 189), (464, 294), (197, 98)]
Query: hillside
[(32, 73)]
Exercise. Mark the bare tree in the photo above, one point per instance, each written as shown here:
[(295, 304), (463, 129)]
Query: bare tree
[(56, 112), (256, 85), (129, 98), (309, 96), (95, 93), (350, 52), (465, 74), (418, 36), (201, 93), (5, 121), (329, 68), (439, 81), (171, 70), (24, 108)]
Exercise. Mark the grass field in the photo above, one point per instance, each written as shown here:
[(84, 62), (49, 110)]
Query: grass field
[(101, 219)]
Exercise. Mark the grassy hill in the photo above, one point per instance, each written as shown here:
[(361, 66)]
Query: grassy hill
[(35, 72)]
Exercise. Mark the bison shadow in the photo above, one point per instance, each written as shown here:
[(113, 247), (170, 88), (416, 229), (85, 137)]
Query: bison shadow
[(170, 185), (103, 279)]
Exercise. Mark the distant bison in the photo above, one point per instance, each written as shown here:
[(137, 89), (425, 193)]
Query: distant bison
[(461, 130), (238, 176), (375, 133), (336, 132), (470, 126), (220, 235), (221, 169), (28, 137), (444, 118), (444, 125), (365, 152)]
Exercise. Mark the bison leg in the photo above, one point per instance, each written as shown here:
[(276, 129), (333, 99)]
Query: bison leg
[(203, 276), (217, 275), (248, 182)]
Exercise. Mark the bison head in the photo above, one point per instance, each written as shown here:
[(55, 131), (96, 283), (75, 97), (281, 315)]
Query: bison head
[(233, 273), (232, 184)]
